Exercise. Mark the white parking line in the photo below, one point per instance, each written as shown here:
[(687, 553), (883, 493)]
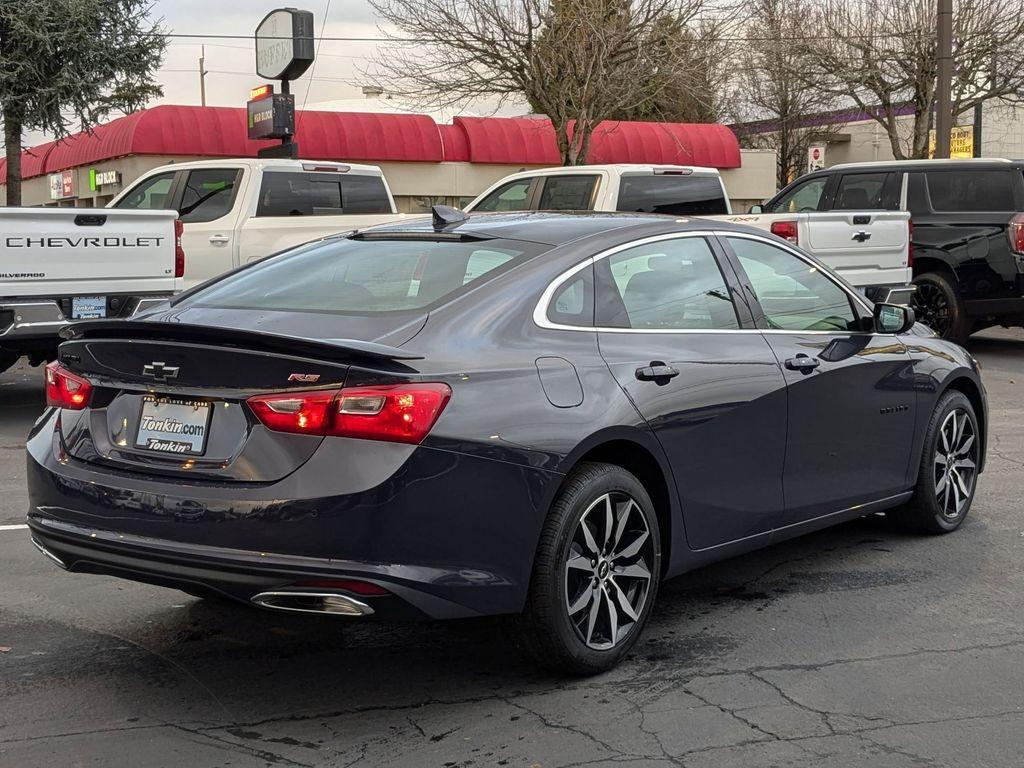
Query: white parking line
[(19, 527)]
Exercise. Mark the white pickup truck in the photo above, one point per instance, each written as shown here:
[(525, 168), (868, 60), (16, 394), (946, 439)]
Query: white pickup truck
[(241, 209), (58, 265), (870, 249)]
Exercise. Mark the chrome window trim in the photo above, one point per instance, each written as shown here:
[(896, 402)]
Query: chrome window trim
[(540, 312)]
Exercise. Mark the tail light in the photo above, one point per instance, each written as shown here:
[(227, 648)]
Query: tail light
[(179, 252), (400, 413), (1016, 234), (787, 230), (910, 242), (367, 588), (66, 390)]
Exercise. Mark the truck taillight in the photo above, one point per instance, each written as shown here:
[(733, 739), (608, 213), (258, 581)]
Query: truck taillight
[(399, 413), (64, 389), (1016, 234), (787, 230), (179, 252), (910, 242)]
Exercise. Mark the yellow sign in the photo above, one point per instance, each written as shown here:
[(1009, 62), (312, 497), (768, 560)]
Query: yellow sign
[(961, 142)]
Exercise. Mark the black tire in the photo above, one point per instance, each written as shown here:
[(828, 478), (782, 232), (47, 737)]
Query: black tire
[(937, 305), (939, 504), (596, 639)]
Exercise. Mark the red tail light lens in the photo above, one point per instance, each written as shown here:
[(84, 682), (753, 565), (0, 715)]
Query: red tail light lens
[(179, 252), (787, 230), (66, 390), (1016, 234), (349, 585), (400, 413)]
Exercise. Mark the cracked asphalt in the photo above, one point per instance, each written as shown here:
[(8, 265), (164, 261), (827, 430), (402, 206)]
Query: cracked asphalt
[(851, 647)]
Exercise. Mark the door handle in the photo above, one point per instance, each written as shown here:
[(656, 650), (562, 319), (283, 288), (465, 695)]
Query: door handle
[(862, 237), (802, 363), (657, 372), (220, 239)]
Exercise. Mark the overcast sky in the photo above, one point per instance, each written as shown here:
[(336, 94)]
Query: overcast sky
[(231, 63)]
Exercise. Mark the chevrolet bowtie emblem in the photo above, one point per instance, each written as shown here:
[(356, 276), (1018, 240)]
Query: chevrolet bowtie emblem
[(160, 371)]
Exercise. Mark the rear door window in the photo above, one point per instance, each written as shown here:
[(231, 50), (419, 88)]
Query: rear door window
[(675, 195), (958, 191), (666, 285), (321, 194), (568, 193), (209, 194), (865, 192)]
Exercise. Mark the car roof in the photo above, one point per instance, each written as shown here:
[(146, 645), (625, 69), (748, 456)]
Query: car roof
[(558, 227), (925, 164), (270, 164)]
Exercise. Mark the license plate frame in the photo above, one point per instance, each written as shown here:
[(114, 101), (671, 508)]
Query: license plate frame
[(88, 307), (158, 435)]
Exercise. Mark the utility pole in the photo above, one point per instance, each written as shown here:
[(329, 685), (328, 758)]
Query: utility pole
[(202, 75), (944, 94)]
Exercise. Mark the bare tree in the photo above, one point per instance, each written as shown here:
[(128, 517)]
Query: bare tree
[(881, 55), (577, 61), (775, 106)]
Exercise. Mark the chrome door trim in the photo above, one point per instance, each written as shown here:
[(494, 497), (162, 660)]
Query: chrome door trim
[(540, 312)]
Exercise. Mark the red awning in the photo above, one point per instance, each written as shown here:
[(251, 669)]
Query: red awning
[(184, 131), (711, 145)]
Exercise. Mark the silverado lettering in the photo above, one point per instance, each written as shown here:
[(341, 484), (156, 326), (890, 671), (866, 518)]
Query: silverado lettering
[(83, 242)]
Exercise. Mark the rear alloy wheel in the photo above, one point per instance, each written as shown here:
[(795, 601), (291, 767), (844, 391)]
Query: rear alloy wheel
[(936, 304), (596, 573), (949, 469)]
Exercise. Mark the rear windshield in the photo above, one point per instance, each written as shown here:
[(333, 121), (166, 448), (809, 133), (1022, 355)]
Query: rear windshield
[(365, 276), (673, 195)]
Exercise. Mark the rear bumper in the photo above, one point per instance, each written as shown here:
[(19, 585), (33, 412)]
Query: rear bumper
[(890, 294), (41, 318), (447, 534)]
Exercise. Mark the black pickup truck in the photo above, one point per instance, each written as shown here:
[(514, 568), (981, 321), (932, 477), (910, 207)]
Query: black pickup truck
[(968, 231)]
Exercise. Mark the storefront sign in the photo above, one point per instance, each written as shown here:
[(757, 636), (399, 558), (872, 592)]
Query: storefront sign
[(99, 179), (271, 117), (961, 142), (62, 185), (284, 44)]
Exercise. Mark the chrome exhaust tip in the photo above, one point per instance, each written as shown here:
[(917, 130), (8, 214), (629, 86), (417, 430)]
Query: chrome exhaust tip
[(48, 553), (312, 602)]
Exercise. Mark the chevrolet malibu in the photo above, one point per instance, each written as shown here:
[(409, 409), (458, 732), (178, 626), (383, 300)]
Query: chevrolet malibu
[(533, 414)]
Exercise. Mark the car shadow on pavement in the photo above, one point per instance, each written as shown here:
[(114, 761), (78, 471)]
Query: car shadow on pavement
[(262, 663)]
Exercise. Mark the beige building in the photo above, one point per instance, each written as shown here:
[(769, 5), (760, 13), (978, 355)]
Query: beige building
[(424, 162)]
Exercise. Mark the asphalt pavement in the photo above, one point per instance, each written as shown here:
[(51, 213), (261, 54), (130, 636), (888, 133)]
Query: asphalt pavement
[(855, 646)]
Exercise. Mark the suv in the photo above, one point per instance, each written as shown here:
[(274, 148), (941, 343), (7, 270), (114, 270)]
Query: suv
[(968, 231)]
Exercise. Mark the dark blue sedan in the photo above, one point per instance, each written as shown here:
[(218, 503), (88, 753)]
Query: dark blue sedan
[(535, 414)]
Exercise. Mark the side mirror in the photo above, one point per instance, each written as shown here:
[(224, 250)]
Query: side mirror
[(756, 209), (893, 318)]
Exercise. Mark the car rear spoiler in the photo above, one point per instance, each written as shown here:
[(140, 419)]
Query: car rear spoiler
[(270, 342)]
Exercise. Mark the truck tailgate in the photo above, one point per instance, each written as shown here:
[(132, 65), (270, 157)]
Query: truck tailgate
[(78, 251), (868, 248)]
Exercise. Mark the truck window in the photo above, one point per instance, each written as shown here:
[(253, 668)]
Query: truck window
[(209, 194), (672, 195), (964, 190), (321, 194), (513, 196), (803, 197), (860, 192), (152, 194), (568, 193)]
